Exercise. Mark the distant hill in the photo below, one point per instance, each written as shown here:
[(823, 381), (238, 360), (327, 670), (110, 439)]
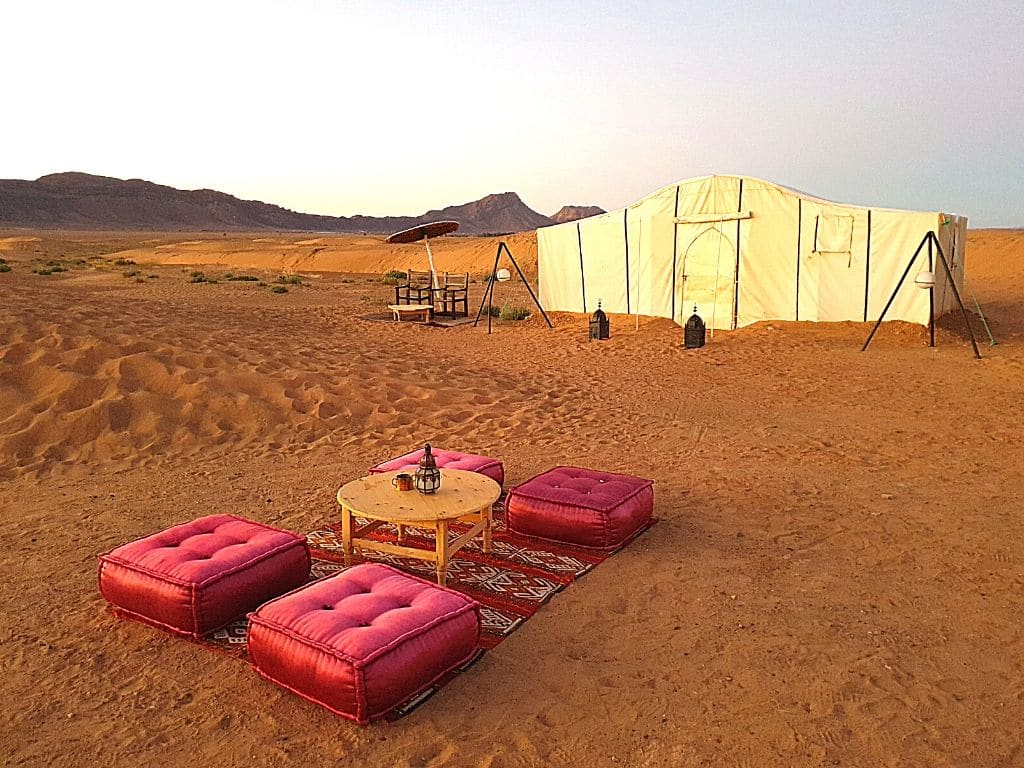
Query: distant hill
[(84, 201), (574, 212)]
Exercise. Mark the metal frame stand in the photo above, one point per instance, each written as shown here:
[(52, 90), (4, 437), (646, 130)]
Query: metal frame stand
[(489, 292), (933, 242)]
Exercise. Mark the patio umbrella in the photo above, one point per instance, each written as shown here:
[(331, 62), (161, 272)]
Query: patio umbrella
[(424, 232)]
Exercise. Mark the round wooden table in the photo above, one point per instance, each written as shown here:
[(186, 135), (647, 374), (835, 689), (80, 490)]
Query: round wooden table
[(463, 496)]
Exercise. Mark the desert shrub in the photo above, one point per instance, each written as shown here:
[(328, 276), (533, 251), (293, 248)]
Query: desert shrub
[(44, 271), (261, 284), (4, 267), (393, 277), (131, 273), (289, 280), (279, 289), (514, 313), (198, 277), (3, 261), (241, 278), (123, 263), (493, 311), (140, 279), (152, 277)]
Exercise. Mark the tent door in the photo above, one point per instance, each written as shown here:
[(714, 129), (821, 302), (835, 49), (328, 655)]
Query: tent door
[(705, 274)]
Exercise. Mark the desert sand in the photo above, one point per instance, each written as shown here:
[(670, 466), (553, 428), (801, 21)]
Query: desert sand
[(835, 579)]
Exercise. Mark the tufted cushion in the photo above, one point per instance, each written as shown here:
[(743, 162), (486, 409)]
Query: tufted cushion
[(579, 506), (446, 460), (362, 642), (194, 578)]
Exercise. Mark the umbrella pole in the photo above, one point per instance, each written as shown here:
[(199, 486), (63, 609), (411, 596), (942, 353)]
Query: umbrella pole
[(430, 258)]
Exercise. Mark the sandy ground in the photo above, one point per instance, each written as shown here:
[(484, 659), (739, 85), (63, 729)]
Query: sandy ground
[(836, 578)]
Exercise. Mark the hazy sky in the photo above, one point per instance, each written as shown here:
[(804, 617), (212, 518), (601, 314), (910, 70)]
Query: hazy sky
[(393, 108)]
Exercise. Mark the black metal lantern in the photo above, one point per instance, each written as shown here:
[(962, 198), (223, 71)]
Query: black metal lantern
[(428, 477), (599, 328), (694, 331)]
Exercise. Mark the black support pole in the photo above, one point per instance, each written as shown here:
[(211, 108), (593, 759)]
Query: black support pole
[(525, 282), (931, 297), (625, 237), (486, 298), (736, 277), (867, 268), (956, 293), (899, 285), (583, 281), (675, 235), (489, 292), (799, 229)]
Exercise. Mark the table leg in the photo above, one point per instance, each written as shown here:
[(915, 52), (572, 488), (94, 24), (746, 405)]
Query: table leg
[(401, 533), (346, 533), (488, 520), (441, 539)]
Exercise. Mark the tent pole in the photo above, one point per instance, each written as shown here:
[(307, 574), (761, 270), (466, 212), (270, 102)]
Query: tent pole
[(956, 293), (892, 298), (525, 281), (931, 297)]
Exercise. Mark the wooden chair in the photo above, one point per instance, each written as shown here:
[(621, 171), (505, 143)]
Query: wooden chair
[(453, 294), (416, 290)]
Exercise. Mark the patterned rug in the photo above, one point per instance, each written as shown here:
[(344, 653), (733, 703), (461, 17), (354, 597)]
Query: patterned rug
[(510, 583)]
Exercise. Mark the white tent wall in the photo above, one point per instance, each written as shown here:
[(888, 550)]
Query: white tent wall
[(708, 238), (799, 257), (895, 235), (558, 273), (653, 291), (833, 262), (604, 262), (768, 263)]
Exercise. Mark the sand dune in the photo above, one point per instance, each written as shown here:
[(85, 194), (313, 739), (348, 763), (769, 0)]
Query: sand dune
[(835, 577), (336, 253)]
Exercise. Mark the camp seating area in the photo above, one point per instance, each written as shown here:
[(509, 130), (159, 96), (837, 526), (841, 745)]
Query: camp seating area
[(450, 297), (371, 637)]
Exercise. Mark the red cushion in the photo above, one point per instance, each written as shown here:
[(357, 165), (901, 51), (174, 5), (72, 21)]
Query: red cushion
[(194, 578), (446, 460), (579, 506), (362, 642)]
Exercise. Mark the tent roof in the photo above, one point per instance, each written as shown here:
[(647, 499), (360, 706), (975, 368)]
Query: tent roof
[(764, 182)]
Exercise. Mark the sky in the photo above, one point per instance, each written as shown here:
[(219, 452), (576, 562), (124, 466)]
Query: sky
[(395, 108)]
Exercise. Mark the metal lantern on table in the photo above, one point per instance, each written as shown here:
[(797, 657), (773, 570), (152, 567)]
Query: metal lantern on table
[(428, 477), (694, 331), (599, 327)]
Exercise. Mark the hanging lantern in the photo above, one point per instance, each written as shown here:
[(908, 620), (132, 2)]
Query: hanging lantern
[(925, 280), (428, 477), (599, 327), (694, 331)]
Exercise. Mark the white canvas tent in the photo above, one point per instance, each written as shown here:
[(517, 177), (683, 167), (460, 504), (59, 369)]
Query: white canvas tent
[(744, 250)]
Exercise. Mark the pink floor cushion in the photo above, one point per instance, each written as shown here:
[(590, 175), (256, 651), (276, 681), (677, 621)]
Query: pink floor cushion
[(581, 506), (469, 462), (194, 578), (364, 641)]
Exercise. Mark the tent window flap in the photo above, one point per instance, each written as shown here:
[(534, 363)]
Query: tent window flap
[(833, 234)]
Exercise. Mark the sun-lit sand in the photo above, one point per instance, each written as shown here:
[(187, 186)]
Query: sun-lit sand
[(836, 576)]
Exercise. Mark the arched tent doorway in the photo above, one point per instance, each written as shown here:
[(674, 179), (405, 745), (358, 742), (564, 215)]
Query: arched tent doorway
[(706, 273)]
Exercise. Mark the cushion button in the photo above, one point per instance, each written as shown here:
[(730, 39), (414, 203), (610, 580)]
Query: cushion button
[(328, 608)]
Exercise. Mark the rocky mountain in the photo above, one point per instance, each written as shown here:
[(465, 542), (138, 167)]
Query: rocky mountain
[(84, 201), (574, 212)]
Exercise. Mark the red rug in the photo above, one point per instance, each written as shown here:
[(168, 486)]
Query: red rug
[(511, 583)]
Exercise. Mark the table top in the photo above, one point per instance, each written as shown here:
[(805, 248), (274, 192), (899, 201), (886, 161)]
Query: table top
[(414, 307), (461, 493)]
